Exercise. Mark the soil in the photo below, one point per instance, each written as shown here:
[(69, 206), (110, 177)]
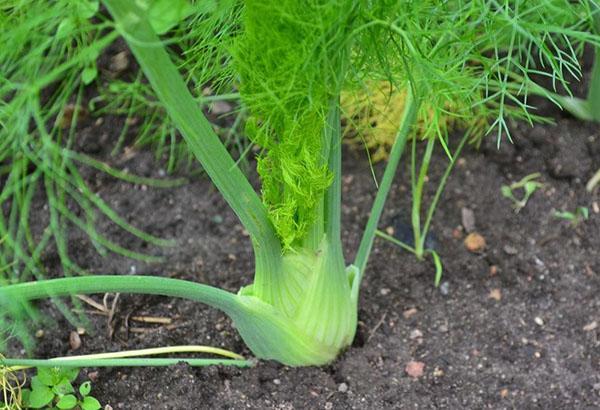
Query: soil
[(516, 325)]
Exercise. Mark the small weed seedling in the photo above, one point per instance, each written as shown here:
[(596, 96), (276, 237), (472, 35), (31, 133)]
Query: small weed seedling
[(528, 184), (581, 214), (52, 388)]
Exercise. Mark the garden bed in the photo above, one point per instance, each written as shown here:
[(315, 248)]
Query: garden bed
[(514, 326)]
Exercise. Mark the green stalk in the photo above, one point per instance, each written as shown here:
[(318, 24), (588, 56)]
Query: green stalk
[(366, 243), (333, 196), (440, 189), (593, 97), (202, 141), (141, 362), (151, 285), (417, 194), (317, 230), (108, 359)]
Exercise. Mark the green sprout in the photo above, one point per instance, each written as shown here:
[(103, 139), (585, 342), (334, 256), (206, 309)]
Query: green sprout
[(528, 184), (292, 60), (580, 214)]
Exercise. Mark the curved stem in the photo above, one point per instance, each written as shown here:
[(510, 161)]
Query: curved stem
[(19, 363), (153, 285)]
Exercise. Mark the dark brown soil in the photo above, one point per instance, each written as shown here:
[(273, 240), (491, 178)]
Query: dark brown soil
[(510, 327)]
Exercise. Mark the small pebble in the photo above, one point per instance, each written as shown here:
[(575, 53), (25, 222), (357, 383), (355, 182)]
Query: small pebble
[(119, 62), (415, 369), (590, 326), (416, 334), (384, 291), (276, 381), (409, 313), (538, 321), (468, 219), (445, 288), (328, 405), (220, 107), (495, 294), (474, 242), (510, 250), (343, 388), (39, 333), (457, 233), (74, 340)]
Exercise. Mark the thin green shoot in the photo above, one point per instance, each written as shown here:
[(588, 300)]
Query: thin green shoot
[(418, 178), (100, 359), (528, 184), (580, 214)]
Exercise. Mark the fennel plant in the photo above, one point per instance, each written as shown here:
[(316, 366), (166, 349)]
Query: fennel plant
[(292, 61)]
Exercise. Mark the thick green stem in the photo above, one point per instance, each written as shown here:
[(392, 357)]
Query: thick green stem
[(366, 243), (333, 196), (594, 91), (202, 140)]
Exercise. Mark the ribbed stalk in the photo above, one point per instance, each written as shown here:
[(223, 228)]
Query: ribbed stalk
[(203, 142)]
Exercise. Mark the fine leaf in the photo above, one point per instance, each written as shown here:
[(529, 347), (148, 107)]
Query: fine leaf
[(90, 403), (89, 74), (63, 387), (166, 14), (85, 388), (40, 396), (87, 8), (47, 376), (67, 402), (70, 373)]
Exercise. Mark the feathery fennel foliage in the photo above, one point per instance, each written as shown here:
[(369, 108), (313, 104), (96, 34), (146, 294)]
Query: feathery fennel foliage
[(292, 62)]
